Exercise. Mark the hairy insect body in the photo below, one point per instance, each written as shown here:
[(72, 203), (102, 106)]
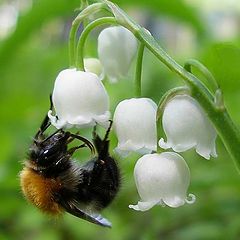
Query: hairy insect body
[(55, 183), (39, 191)]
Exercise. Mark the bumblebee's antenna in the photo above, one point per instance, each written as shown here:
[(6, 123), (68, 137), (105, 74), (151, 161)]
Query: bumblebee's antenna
[(45, 123), (51, 102)]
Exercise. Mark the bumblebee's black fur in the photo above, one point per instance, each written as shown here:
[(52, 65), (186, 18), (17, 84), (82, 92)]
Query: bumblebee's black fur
[(84, 189)]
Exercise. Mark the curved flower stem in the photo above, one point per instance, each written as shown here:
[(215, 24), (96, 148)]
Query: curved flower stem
[(206, 73), (220, 118), (83, 37), (168, 96), (162, 103), (84, 4), (75, 25), (138, 73)]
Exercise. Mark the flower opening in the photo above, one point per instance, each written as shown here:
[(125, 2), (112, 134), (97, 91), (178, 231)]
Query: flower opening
[(80, 100), (134, 122), (162, 179), (187, 126)]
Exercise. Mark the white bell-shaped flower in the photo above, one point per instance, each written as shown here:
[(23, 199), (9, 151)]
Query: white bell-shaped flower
[(187, 126), (162, 179), (79, 99), (134, 122), (93, 65), (116, 49)]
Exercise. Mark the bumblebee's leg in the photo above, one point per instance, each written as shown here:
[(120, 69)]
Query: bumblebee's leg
[(73, 149), (95, 136), (105, 174), (102, 145), (71, 138), (87, 142), (46, 139)]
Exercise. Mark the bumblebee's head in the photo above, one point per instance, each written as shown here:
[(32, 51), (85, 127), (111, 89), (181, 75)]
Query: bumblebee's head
[(44, 153)]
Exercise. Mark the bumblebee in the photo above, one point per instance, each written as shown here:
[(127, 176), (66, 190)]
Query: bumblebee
[(55, 183)]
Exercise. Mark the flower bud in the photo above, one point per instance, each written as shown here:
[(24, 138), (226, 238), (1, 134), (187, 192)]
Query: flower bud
[(116, 49), (93, 65), (134, 122), (187, 126), (79, 99), (162, 179)]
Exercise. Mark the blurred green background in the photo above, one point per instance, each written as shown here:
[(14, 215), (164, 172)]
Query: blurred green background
[(33, 49)]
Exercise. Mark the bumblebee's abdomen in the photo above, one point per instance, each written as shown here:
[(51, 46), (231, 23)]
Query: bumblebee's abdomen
[(40, 190)]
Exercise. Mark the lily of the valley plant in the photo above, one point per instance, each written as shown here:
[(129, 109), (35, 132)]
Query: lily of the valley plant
[(191, 116)]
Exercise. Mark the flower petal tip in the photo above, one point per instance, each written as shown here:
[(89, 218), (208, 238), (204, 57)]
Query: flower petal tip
[(143, 206), (162, 144), (134, 207), (191, 198)]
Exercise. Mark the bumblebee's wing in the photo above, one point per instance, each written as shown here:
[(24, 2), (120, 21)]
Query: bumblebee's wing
[(73, 209)]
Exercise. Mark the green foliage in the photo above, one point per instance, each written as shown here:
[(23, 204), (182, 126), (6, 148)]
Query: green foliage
[(223, 60), (41, 12), (31, 58), (175, 9)]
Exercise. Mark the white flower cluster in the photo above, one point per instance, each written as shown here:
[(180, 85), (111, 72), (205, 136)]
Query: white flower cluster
[(163, 179), (81, 100)]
